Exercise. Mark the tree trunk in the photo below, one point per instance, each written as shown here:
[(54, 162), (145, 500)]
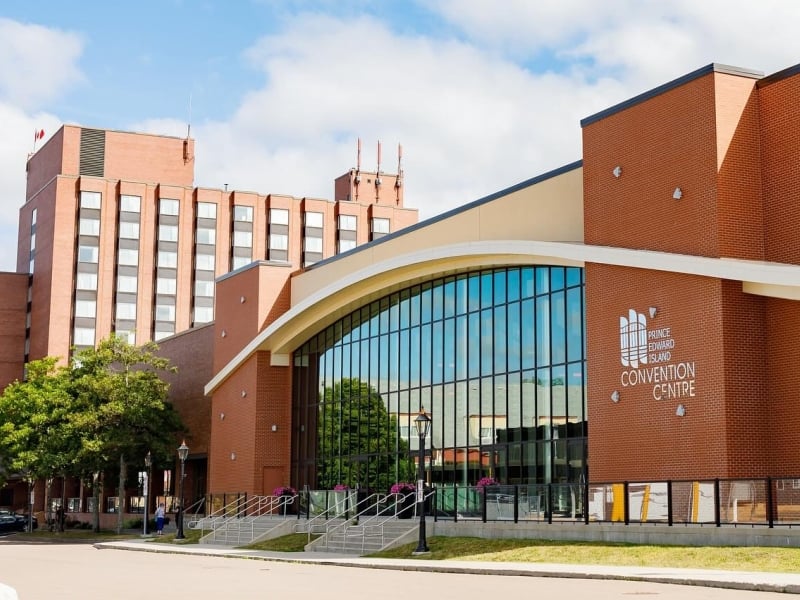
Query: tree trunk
[(121, 492)]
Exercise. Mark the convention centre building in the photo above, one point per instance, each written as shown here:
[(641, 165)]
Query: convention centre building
[(632, 316)]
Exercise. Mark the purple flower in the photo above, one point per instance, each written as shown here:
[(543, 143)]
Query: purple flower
[(284, 490), (402, 488), (340, 487), (484, 482)]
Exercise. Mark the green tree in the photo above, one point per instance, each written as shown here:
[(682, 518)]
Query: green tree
[(38, 438), (124, 409), (359, 440)]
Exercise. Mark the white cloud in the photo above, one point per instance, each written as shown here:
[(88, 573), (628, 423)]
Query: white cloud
[(475, 112), (36, 63), (470, 123)]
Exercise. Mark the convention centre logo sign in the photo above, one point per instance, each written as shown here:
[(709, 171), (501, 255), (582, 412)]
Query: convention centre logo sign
[(648, 356)]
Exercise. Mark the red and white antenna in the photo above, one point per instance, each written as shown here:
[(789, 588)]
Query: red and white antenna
[(378, 172), (399, 181)]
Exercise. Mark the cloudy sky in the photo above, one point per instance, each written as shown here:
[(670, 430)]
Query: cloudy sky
[(482, 94)]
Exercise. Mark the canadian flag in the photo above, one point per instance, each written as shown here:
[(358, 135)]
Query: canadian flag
[(37, 135)]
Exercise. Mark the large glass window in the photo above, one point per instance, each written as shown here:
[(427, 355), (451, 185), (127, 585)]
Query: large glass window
[(496, 357)]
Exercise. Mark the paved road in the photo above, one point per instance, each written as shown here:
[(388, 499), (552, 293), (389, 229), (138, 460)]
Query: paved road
[(47, 571)]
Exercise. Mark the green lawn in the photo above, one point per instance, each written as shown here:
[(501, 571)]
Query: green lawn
[(747, 558)]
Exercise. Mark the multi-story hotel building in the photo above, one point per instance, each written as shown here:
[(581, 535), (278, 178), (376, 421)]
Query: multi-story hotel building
[(117, 239)]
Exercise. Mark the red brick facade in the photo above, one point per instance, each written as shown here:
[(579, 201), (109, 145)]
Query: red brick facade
[(729, 145)]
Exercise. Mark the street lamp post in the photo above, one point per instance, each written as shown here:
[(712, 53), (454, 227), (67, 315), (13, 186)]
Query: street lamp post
[(422, 423), (148, 463), (183, 453)]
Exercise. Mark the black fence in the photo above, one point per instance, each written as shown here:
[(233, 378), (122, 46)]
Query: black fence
[(770, 502)]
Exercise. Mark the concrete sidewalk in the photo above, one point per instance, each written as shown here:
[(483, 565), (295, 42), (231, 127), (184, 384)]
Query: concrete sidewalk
[(738, 580)]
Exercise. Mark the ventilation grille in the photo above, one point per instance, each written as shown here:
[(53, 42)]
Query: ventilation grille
[(93, 151)]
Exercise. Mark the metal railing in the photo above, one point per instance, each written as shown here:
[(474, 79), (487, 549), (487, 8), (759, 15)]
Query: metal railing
[(368, 507), (319, 522)]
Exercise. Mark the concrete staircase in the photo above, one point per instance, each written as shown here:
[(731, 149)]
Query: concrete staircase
[(240, 531), (367, 537)]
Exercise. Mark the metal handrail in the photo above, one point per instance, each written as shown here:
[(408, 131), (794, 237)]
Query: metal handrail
[(379, 498), (248, 513), (323, 517), (367, 526)]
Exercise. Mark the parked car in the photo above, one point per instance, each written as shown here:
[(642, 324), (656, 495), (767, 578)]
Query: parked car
[(11, 521)]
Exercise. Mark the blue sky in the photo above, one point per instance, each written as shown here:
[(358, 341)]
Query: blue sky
[(481, 94)]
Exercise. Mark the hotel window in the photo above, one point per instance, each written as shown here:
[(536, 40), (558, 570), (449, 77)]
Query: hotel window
[(204, 288), (126, 311), (166, 285), (345, 245), (168, 233), (89, 227), (86, 281), (85, 308), (313, 244), (88, 254), (128, 230), (168, 206), (128, 256), (348, 222), (130, 204), (206, 236), (165, 312), (278, 240), (314, 219), (243, 214), (83, 336), (203, 314), (91, 200), (237, 262), (204, 262), (279, 216), (380, 228), (127, 284), (206, 210), (127, 335), (167, 259), (243, 239)]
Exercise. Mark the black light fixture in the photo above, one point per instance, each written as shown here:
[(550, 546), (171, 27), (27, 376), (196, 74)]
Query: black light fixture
[(183, 453), (422, 423), (148, 463)]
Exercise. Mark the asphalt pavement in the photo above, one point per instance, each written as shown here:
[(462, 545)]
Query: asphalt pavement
[(738, 580)]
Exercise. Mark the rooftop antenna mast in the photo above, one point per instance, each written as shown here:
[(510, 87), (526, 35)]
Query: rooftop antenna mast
[(357, 179), (186, 157), (378, 175), (399, 181)]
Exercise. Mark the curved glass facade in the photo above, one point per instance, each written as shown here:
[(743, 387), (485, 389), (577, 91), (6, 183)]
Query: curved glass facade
[(496, 357)]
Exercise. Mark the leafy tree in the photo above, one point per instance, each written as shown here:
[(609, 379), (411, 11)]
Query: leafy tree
[(359, 440), (37, 431), (124, 406), (85, 419)]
